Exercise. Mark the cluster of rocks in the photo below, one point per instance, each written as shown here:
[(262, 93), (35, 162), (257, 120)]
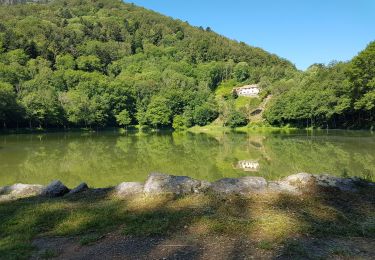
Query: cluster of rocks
[(52, 190), (158, 183)]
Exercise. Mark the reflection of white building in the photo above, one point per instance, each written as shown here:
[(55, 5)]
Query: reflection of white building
[(248, 165), (248, 90)]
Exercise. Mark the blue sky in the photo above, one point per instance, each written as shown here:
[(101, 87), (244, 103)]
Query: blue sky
[(302, 31)]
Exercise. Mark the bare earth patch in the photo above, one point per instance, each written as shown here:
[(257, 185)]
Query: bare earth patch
[(116, 246)]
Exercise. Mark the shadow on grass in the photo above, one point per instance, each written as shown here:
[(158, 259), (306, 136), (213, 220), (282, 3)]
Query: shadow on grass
[(190, 227), (332, 223)]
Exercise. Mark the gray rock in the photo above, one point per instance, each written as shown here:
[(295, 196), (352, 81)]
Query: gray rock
[(282, 186), (343, 184), (299, 182), (55, 189), (129, 188), (205, 185), (244, 185), (21, 190), (295, 183), (300, 179), (162, 183), (80, 188)]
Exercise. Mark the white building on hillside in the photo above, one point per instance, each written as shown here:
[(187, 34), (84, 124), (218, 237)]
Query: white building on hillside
[(248, 90), (248, 165)]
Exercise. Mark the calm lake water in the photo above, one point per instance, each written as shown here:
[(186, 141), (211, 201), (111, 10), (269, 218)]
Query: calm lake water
[(108, 158)]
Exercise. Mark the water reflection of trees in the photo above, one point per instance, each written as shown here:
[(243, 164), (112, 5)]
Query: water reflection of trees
[(107, 158), (346, 157)]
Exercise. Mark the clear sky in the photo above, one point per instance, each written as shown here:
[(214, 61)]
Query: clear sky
[(302, 31)]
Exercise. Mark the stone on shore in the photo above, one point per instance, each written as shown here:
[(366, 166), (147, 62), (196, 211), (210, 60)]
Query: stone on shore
[(55, 189), (283, 186), (300, 179), (129, 188), (80, 188), (243, 186), (295, 183), (343, 184), (21, 190), (159, 183)]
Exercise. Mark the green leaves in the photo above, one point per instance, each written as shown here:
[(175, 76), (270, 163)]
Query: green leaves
[(158, 112), (8, 102), (241, 71), (88, 63), (123, 118), (319, 97), (64, 62), (362, 78)]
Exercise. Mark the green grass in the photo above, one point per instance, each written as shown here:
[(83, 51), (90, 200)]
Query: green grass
[(249, 102), (271, 219), (226, 87), (265, 245), (215, 129)]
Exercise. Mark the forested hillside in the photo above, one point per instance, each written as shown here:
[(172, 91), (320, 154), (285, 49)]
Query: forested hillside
[(340, 95), (96, 63), (87, 63)]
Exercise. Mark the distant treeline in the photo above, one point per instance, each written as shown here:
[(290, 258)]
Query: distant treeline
[(340, 95)]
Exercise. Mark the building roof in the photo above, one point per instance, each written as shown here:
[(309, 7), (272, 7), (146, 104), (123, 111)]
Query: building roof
[(250, 86)]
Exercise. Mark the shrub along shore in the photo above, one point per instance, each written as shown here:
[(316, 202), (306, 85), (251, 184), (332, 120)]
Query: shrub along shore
[(300, 216)]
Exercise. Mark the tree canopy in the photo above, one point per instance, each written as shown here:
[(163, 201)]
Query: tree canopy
[(338, 95), (72, 63), (107, 63)]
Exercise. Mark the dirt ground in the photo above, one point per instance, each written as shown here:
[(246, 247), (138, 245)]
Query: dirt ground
[(116, 246)]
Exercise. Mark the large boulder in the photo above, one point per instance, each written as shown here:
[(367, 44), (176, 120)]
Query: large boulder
[(283, 186), (300, 179), (343, 184), (300, 182), (55, 189), (295, 183), (129, 188), (80, 188), (158, 183), (21, 190), (243, 186)]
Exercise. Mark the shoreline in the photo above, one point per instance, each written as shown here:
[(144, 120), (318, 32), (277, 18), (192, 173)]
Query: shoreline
[(310, 222), (209, 129), (161, 184)]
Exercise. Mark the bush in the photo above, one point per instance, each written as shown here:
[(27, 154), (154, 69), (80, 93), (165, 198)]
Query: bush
[(179, 123), (236, 118), (205, 114)]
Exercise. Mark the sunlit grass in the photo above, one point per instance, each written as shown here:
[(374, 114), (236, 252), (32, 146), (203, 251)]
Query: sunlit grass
[(270, 219)]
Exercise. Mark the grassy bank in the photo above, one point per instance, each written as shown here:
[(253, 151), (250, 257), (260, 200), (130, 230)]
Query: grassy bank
[(213, 128), (258, 128), (276, 224)]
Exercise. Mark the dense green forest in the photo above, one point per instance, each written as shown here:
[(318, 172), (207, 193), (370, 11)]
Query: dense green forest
[(340, 95), (96, 63), (106, 63)]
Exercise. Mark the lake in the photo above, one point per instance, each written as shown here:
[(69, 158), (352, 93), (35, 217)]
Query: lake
[(107, 158)]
